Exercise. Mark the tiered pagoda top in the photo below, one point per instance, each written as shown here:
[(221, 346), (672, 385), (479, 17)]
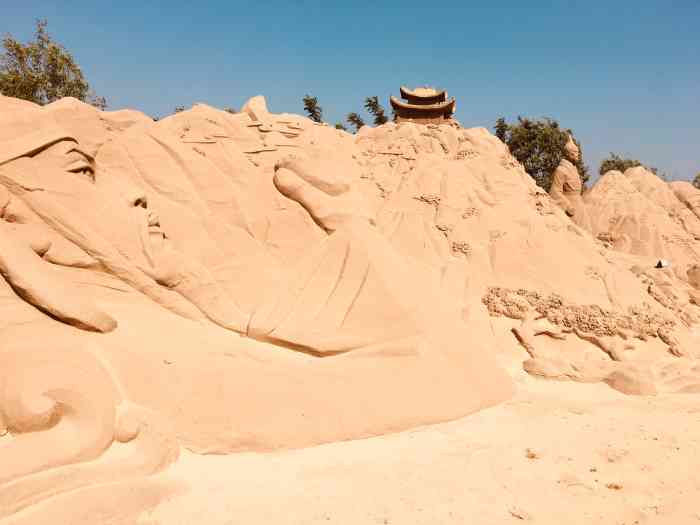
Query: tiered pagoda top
[(423, 105)]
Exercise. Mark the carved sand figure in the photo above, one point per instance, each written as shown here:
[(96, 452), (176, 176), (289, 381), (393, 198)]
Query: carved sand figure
[(250, 282), (346, 328), (142, 249), (566, 187)]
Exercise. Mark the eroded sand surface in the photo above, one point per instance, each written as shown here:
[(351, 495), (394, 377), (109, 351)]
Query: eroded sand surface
[(250, 317)]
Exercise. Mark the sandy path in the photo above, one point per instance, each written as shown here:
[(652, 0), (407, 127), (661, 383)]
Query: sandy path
[(557, 453)]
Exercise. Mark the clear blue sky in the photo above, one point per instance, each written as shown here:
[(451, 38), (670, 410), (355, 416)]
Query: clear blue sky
[(624, 75)]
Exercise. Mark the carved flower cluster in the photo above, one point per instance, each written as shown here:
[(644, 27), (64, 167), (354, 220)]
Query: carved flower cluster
[(640, 321)]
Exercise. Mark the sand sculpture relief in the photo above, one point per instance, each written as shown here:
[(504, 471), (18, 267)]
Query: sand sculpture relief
[(223, 282)]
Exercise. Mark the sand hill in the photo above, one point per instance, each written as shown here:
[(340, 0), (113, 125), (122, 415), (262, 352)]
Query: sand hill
[(238, 283)]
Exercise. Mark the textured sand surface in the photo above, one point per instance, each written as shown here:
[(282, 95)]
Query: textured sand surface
[(250, 317), (558, 453)]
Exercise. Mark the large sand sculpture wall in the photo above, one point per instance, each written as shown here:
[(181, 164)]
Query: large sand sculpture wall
[(254, 281)]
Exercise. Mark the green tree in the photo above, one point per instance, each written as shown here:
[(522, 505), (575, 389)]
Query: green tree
[(313, 110), (501, 128), (616, 162), (42, 71), (539, 145), (340, 125), (179, 109), (374, 107), (696, 181), (661, 174), (355, 120)]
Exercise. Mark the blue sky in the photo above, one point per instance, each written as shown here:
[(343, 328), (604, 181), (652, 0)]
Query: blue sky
[(624, 75)]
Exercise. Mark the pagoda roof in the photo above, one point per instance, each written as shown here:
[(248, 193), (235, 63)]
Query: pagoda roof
[(423, 94), (447, 106)]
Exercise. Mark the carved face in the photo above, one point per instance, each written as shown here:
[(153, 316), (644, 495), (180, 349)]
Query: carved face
[(572, 151), (105, 204)]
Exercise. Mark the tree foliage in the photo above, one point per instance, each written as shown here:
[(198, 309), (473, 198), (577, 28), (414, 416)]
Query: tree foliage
[(374, 107), (313, 110), (501, 128), (696, 181), (539, 145), (616, 162), (42, 71), (355, 120), (661, 174), (341, 126)]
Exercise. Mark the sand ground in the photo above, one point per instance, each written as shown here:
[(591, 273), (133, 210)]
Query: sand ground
[(556, 453)]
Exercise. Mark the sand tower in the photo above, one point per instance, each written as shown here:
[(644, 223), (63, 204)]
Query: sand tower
[(423, 106)]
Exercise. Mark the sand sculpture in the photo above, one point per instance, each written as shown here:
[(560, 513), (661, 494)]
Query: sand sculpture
[(566, 187), (423, 106), (638, 213), (343, 332), (254, 281)]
